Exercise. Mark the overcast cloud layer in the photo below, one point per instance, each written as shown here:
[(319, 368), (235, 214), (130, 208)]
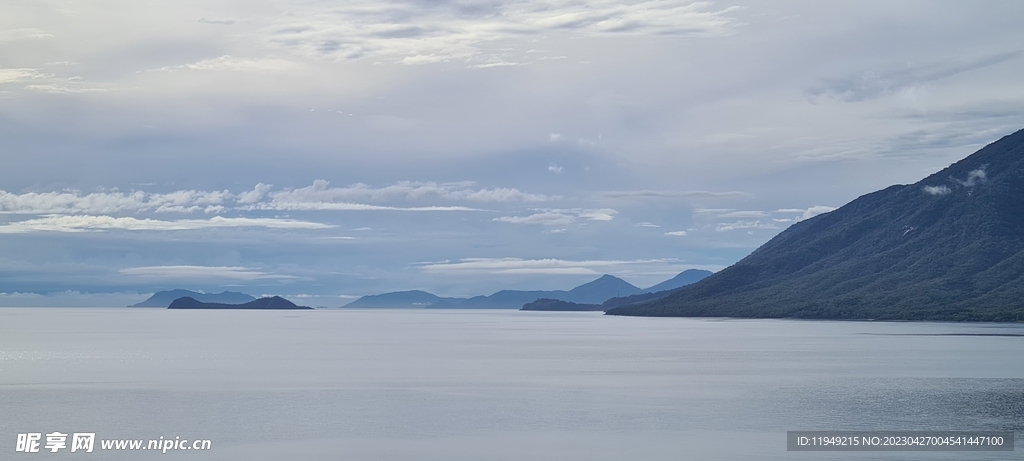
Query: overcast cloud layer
[(325, 150)]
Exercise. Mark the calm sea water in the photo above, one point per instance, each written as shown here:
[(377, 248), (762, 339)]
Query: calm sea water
[(494, 385)]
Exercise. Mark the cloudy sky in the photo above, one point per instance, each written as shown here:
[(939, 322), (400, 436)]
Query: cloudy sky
[(324, 150)]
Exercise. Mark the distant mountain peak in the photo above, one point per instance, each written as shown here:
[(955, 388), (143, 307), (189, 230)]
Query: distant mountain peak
[(409, 298), (600, 290), (606, 278)]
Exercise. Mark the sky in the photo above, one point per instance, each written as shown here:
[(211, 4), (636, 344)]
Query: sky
[(325, 150)]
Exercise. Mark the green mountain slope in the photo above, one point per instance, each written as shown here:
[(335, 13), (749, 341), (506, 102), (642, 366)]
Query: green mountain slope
[(950, 247)]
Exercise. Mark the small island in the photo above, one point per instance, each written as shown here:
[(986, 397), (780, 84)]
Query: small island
[(271, 303), (548, 304), (165, 298)]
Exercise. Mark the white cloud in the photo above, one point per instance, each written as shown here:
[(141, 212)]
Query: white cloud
[(547, 218), (346, 206), (221, 21), (756, 219), (532, 266), (561, 217), (316, 197), (646, 224), (743, 214), (554, 168), (229, 63), (255, 195), (676, 233), (43, 82), (554, 137), (974, 178), (23, 34), (496, 64), (601, 214), (202, 272), (551, 271), (676, 194), (425, 59), (816, 210), (21, 75), (805, 213), (728, 213), (71, 87), (756, 224), (936, 190), (320, 195), (73, 202), (501, 194), (422, 33), (186, 201), (86, 223)]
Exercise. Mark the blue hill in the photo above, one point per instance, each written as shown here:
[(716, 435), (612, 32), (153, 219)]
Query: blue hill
[(413, 298), (165, 298), (683, 279)]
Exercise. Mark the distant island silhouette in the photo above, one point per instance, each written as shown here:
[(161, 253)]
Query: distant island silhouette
[(271, 303), (600, 294), (548, 304), (596, 292), (164, 298)]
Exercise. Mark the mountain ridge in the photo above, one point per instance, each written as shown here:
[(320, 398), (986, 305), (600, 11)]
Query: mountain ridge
[(398, 299), (596, 291), (681, 279), (593, 292), (684, 278), (948, 247)]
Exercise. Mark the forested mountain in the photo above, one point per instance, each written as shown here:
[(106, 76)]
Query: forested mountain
[(949, 247)]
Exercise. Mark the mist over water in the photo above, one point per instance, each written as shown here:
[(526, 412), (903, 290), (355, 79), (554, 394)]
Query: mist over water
[(495, 385)]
